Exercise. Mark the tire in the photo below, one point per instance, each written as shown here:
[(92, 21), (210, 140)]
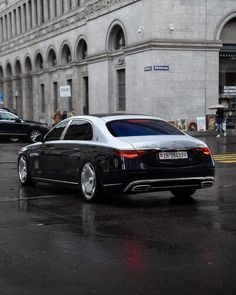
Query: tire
[(23, 172), (183, 192), (33, 134), (89, 184)]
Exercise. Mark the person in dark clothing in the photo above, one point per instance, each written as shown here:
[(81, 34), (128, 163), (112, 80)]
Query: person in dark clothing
[(64, 115), (220, 118)]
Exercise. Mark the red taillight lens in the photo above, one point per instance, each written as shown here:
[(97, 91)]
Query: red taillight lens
[(205, 150), (132, 154)]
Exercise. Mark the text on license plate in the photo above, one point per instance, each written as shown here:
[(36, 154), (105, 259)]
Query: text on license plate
[(173, 155)]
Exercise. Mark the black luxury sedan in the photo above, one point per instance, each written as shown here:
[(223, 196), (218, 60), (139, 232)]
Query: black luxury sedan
[(14, 128), (118, 153)]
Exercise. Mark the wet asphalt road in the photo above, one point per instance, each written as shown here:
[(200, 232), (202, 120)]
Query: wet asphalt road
[(51, 242)]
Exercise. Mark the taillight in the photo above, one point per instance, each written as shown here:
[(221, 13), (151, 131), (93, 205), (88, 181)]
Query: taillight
[(205, 150), (132, 154)]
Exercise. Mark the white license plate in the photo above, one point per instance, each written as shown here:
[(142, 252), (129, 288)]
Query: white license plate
[(173, 155)]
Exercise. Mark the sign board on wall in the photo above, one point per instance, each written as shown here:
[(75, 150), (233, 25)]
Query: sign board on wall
[(65, 91), (230, 90), (201, 124)]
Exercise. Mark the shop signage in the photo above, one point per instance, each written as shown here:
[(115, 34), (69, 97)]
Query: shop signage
[(161, 68), (229, 89), (148, 69), (65, 91)]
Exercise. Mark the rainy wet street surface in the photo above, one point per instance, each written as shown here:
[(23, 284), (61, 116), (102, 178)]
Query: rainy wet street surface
[(52, 242)]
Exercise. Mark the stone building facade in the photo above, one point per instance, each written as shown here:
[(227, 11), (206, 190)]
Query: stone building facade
[(171, 58)]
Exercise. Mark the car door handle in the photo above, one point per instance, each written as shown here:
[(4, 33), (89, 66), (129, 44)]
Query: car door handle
[(76, 149)]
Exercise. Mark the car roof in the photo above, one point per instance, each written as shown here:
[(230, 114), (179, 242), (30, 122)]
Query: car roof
[(117, 116)]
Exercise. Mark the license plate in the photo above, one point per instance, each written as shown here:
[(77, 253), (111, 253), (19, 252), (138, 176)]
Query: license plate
[(173, 155)]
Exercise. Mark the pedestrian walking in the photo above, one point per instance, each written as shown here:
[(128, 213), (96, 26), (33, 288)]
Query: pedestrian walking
[(220, 120), (57, 117)]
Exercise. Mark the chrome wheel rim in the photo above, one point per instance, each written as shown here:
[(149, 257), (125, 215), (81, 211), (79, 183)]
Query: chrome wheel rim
[(22, 170), (34, 134), (88, 181)]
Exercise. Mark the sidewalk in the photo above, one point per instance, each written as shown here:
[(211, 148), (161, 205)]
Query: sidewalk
[(229, 132)]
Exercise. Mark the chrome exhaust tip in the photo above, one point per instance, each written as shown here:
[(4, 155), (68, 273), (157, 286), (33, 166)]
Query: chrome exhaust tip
[(141, 188), (207, 184)]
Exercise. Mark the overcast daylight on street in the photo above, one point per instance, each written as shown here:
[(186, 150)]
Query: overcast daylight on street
[(117, 147)]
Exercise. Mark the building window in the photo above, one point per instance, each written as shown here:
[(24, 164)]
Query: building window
[(10, 25), (63, 6), (42, 98), (121, 90), (82, 50), (66, 54), (116, 39), (55, 96), (30, 14), (70, 4), (78, 2), (69, 82), (15, 23)]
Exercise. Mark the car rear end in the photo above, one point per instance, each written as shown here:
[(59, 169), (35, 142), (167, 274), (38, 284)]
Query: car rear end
[(163, 161)]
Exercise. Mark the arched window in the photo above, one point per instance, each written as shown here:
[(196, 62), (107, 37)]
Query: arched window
[(82, 50), (1, 73), (39, 62), (116, 38), (28, 65), (18, 68), (52, 59), (65, 54), (8, 70)]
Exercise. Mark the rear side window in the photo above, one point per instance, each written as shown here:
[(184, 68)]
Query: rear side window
[(141, 127), (79, 130), (56, 132)]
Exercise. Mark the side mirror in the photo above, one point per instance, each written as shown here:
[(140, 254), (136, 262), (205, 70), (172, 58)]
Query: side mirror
[(18, 120)]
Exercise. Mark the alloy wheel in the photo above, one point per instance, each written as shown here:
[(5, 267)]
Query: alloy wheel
[(88, 181)]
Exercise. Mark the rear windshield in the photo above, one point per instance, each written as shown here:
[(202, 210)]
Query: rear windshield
[(141, 127)]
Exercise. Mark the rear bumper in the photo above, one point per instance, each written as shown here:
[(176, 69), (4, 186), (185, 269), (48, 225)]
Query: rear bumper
[(139, 183), (167, 184)]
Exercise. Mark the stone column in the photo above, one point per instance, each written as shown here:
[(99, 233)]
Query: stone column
[(46, 10), (39, 10), (22, 19), (52, 9), (59, 8), (28, 16), (35, 97), (9, 33), (7, 89), (74, 4), (33, 13), (17, 95), (18, 25), (27, 96), (4, 29), (66, 6)]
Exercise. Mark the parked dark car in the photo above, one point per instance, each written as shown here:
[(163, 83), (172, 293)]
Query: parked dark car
[(14, 128), (119, 153)]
